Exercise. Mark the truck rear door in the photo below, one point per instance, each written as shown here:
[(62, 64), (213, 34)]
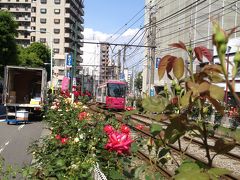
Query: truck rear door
[(5, 85), (44, 84)]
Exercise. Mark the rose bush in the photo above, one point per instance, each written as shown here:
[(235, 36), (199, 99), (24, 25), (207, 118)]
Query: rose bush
[(78, 140)]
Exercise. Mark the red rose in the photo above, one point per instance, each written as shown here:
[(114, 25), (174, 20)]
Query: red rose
[(82, 115), (108, 129), (58, 137), (125, 129), (64, 140)]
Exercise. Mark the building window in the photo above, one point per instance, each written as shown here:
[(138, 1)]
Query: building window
[(56, 50), (43, 20), (56, 31), (43, 1), (33, 19), (57, 1), (57, 21), (43, 11), (42, 40), (57, 11), (33, 9), (56, 41), (26, 0), (33, 38), (43, 30)]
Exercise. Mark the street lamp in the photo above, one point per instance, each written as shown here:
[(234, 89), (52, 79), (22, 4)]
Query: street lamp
[(51, 48)]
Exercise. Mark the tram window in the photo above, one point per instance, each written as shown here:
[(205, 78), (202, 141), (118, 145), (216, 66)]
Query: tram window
[(104, 91), (116, 90), (99, 92)]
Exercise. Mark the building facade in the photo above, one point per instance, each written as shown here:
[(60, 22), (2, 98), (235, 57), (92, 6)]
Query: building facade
[(104, 63), (57, 23), (189, 21), (21, 10)]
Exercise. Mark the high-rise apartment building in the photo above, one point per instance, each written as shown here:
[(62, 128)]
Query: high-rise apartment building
[(21, 10), (58, 23), (189, 21), (104, 62)]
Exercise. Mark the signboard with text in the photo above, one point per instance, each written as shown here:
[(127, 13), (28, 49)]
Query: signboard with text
[(69, 60), (157, 62)]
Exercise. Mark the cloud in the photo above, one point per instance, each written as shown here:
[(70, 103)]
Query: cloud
[(130, 32), (91, 53), (90, 34)]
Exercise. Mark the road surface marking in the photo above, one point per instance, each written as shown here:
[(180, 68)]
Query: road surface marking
[(3, 147), (20, 127)]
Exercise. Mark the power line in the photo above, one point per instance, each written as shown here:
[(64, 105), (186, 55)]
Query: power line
[(117, 44)]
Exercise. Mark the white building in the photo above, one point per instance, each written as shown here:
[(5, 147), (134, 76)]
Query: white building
[(189, 21), (233, 46)]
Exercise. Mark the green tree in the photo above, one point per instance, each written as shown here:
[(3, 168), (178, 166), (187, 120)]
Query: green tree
[(8, 32), (33, 56), (138, 82)]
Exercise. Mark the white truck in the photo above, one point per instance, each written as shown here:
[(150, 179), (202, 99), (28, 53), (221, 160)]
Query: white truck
[(24, 91)]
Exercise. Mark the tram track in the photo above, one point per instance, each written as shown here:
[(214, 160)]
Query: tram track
[(146, 133)]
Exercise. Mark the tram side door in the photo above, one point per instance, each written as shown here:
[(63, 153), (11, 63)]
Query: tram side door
[(104, 93)]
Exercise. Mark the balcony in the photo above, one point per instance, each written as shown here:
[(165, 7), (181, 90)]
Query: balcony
[(80, 52), (69, 35), (22, 28), (80, 27), (68, 15), (23, 19), (80, 36), (16, 10)]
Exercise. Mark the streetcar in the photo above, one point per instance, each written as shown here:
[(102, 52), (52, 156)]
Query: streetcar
[(112, 94)]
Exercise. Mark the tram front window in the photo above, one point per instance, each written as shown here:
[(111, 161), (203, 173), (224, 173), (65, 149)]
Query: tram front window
[(116, 90)]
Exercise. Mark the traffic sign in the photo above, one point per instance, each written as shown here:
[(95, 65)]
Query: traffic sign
[(69, 60)]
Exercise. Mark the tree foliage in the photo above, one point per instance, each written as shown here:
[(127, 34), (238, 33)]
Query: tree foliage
[(33, 56), (8, 32), (138, 82)]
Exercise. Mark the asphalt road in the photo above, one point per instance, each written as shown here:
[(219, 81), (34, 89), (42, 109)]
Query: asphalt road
[(15, 140)]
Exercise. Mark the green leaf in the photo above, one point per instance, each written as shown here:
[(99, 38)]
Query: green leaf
[(129, 113), (163, 152), (216, 92), (196, 175), (134, 147), (178, 68), (215, 77), (155, 104), (139, 171), (188, 166), (223, 146), (155, 129), (185, 100), (115, 175), (203, 87), (216, 172)]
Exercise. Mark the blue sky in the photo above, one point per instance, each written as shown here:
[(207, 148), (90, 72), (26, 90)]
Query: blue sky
[(108, 16)]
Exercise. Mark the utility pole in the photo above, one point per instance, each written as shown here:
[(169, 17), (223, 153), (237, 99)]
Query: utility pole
[(151, 52), (73, 73), (124, 60), (124, 57), (119, 64)]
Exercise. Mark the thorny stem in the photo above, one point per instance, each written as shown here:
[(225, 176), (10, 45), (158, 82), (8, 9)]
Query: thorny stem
[(222, 58), (201, 116), (206, 144)]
